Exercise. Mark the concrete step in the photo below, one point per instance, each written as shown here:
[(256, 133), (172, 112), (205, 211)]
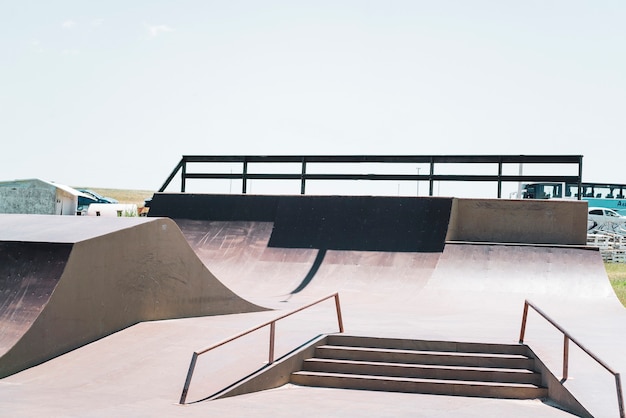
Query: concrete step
[(425, 371), (475, 359), (416, 385), (418, 366), (426, 345)]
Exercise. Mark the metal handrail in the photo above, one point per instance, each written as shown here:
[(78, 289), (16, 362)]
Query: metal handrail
[(272, 324), (566, 339)]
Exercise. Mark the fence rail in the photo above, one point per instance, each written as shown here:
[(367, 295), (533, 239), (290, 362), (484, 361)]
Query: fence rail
[(306, 161)]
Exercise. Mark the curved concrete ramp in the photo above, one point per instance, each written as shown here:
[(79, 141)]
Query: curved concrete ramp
[(271, 248), (570, 272), (68, 281), (29, 272), (481, 288), (239, 254)]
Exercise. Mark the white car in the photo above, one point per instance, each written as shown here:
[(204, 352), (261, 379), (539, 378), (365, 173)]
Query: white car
[(606, 220)]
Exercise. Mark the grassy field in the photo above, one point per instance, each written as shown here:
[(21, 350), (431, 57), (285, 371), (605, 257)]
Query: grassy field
[(617, 276), (123, 196)]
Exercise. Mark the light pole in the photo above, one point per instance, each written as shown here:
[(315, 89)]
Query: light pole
[(418, 181)]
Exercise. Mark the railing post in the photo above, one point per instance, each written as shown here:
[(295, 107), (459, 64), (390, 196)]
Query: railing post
[(565, 357), (244, 177), (620, 398), (272, 338), (523, 329), (172, 175), (183, 176), (339, 318), (303, 176), (272, 325), (192, 366), (431, 182), (500, 178), (580, 177), (566, 340)]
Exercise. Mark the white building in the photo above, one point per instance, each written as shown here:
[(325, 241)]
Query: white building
[(112, 209), (34, 196)]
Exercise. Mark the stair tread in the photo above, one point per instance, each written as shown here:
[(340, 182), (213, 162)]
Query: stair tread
[(420, 365), (417, 380), (428, 352)]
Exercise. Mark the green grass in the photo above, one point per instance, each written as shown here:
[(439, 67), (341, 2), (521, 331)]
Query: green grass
[(617, 277)]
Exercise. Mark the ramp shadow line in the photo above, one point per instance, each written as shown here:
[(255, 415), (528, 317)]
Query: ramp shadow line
[(321, 253)]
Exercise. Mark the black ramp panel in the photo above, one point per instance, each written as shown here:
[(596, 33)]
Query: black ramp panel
[(362, 223), (213, 207)]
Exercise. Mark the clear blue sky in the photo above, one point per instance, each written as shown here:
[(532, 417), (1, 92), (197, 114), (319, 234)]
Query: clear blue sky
[(112, 93)]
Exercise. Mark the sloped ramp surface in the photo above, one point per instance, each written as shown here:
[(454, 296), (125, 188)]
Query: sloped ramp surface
[(29, 272), (239, 254), (99, 277), (270, 248)]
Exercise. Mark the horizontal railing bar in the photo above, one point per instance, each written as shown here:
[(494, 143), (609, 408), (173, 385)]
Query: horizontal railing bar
[(241, 334), (396, 177), (194, 357), (530, 159), (566, 339), (306, 161), (572, 339)]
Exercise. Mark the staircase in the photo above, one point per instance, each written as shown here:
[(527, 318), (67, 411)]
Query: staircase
[(416, 366)]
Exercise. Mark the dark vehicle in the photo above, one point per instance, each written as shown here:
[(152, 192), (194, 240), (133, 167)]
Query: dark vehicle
[(90, 197)]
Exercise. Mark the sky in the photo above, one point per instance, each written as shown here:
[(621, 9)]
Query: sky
[(112, 93)]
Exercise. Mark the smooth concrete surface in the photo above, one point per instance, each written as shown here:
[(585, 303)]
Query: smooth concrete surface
[(238, 253), (64, 229), (139, 372)]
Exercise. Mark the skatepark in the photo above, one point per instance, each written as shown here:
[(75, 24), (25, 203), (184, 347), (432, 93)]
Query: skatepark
[(100, 317)]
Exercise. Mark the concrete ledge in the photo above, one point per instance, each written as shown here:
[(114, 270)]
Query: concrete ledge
[(560, 222)]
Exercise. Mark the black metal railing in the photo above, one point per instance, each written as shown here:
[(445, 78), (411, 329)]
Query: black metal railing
[(305, 162)]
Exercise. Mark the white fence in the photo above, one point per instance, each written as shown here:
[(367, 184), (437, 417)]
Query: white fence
[(612, 246)]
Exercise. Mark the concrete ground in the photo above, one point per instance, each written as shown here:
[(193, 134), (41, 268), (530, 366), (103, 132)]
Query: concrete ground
[(140, 371)]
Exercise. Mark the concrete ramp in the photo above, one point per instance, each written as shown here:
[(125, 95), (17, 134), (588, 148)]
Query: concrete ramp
[(555, 271), (29, 272), (308, 246), (67, 281), (383, 246), (479, 289), (238, 253)]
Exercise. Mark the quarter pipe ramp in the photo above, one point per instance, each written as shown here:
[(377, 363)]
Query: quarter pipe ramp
[(67, 281)]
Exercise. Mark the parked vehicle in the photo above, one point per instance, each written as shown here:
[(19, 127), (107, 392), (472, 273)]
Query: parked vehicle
[(89, 197), (599, 195), (605, 220)]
